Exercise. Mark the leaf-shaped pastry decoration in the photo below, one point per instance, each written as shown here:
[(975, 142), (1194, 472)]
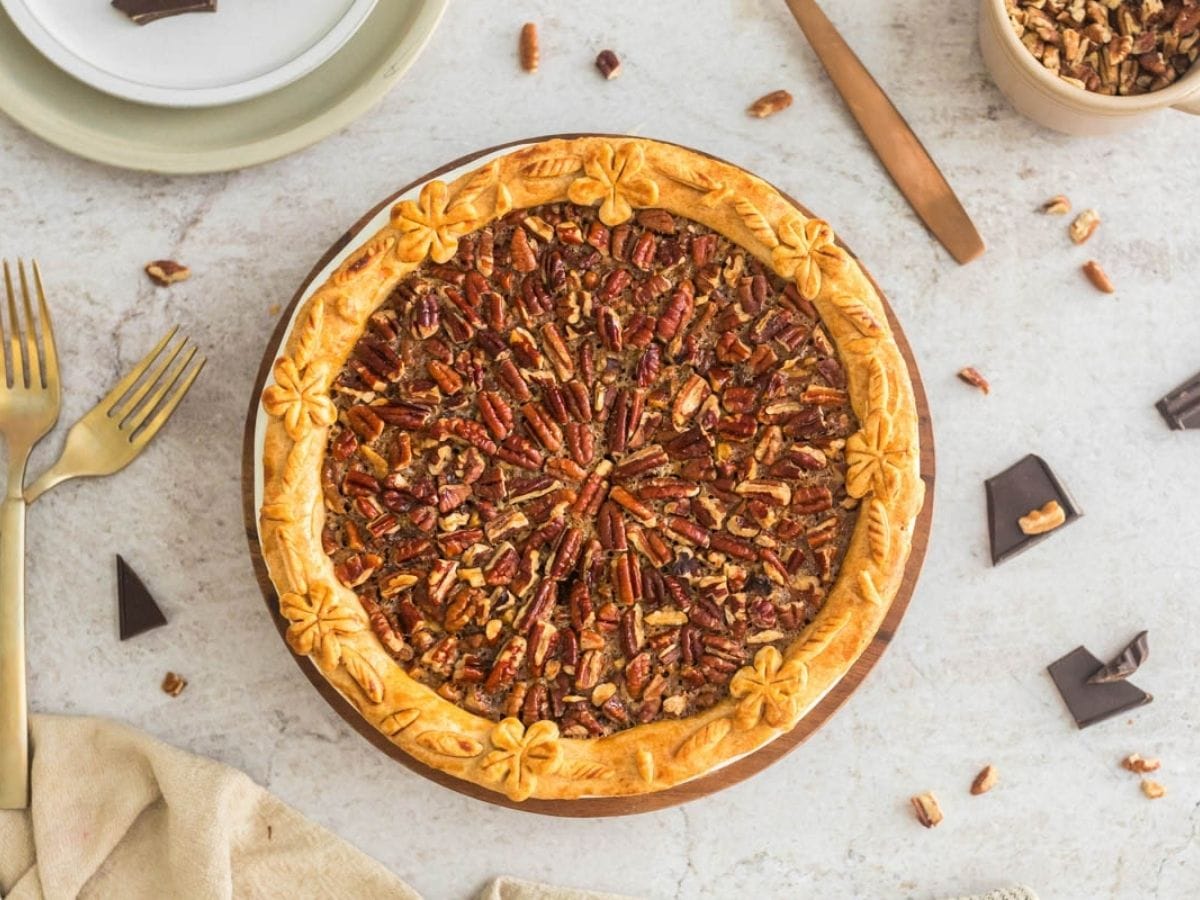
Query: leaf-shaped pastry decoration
[(866, 587), (293, 564), (874, 457), (398, 721), (282, 513), (820, 636), (703, 739), (879, 530), (878, 388), (309, 333), (449, 743), (584, 770), (504, 200), (363, 672), (645, 765), (714, 191), (475, 186), (861, 346), (858, 315), (552, 167), (363, 258), (295, 468), (756, 222)]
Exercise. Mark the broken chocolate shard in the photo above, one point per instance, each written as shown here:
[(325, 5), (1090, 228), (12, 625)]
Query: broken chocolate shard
[(136, 609), (1124, 663), (1028, 485), (143, 12), (1092, 703), (1181, 407)]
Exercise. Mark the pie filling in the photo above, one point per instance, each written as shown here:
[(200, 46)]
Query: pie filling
[(585, 474)]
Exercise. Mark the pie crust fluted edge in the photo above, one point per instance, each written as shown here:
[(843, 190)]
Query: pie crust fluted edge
[(768, 696)]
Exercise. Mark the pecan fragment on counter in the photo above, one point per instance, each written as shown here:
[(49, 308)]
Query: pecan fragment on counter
[(985, 780), (927, 810), (1058, 205), (1135, 762), (165, 272), (770, 104), (608, 64), (1153, 789), (972, 376), (1098, 277), (527, 47), (1084, 226), (173, 684)]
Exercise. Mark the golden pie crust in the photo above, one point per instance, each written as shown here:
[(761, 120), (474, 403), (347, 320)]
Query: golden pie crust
[(769, 695)]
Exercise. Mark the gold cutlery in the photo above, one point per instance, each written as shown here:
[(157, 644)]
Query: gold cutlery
[(29, 403), (120, 426), (906, 160)]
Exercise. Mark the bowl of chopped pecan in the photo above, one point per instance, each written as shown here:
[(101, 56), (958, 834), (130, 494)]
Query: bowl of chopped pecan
[(1090, 67)]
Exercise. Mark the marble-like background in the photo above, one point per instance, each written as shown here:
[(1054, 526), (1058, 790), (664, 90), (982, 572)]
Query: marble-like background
[(1074, 376)]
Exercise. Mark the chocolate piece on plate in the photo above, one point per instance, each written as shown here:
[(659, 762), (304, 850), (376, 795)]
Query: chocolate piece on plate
[(1092, 703), (136, 609), (1181, 407), (143, 12), (1124, 663), (1012, 495)]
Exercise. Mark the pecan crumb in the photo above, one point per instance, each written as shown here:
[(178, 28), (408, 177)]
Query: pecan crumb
[(164, 272), (1098, 277), (528, 47), (608, 64), (173, 684), (1058, 205), (1153, 789), (1135, 762), (926, 807), (1039, 521), (972, 376), (985, 780), (769, 104), (1084, 226)]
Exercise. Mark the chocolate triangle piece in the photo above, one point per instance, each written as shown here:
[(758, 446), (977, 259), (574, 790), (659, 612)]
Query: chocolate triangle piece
[(1027, 485), (143, 12), (1124, 663), (1092, 703), (136, 609), (1181, 407)]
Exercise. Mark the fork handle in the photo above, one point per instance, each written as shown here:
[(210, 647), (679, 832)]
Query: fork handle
[(14, 714)]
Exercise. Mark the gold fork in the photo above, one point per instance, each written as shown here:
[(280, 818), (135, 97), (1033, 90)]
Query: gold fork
[(120, 426), (29, 402)]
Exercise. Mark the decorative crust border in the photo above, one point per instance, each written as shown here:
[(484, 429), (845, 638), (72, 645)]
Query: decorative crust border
[(768, 697)]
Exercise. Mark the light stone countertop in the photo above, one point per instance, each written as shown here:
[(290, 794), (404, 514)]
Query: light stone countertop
[(1074, 375)]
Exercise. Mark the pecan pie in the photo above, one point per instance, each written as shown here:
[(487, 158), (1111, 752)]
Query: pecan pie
[(592, 471)]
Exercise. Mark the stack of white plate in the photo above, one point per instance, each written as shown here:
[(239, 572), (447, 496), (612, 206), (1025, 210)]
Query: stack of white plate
[(202, 92)]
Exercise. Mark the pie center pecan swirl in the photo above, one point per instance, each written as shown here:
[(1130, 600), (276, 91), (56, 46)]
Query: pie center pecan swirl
[(585, 474)]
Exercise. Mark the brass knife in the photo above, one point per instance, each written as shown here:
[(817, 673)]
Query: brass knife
[(907, 162)]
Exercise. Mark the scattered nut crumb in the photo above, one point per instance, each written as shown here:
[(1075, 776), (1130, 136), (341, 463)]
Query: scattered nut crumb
[(528, 47), (1153, 789), (926, 807), (1134, 762), (1084, 226), (164, 272), (1057, 205), (173, 684), (985, 780), (972, 376), (769, 104), (492, 629), (274, 309), (608, 64), (1098, 277), (1039, 521)]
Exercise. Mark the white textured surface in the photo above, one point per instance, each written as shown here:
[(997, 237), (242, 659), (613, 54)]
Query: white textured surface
[(1074, 374)]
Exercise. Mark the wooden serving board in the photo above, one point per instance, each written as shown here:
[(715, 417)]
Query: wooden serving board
[(736, 771)]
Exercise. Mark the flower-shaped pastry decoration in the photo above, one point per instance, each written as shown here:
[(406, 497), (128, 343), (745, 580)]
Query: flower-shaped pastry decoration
[(615, 179), (874, 458), (522, 754), (804, 247), (431, 226), (318, 623), (299, 398), (768, 690)]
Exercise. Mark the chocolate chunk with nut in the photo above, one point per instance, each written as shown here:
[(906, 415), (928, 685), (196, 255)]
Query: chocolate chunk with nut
[(1124, 663), (1091, 703), (1019, 506)]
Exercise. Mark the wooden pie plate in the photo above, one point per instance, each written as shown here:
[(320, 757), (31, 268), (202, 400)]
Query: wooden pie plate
[(732, 773)]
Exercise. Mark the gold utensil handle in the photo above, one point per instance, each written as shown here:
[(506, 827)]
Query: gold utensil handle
[(907, 162), (14, 715)]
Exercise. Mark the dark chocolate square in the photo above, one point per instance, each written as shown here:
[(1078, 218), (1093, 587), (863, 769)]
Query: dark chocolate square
[(1181, 407), (1028, 485), (1092, 703)]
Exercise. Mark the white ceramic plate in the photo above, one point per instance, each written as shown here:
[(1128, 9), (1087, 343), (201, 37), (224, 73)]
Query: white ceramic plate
[(98, 126), (246, 49)]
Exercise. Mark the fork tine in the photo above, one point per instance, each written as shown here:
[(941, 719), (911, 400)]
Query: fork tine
[(113, 397), (14, 331), (49, 350), (3, 352), (164, 385), (151, 381), (37, 377), (160, 418)]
